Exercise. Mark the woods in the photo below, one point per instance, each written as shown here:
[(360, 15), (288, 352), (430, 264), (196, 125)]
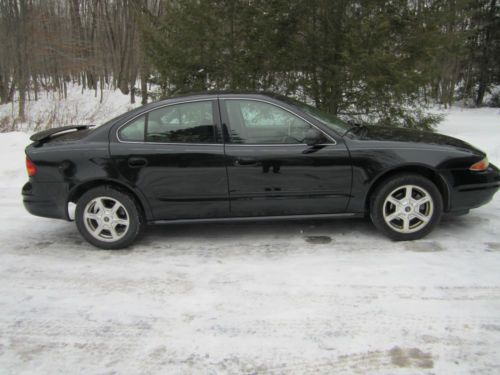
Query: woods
[(46, 44), (372, 61)]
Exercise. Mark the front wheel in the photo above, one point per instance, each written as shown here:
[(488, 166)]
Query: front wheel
[(406, 207), (108, 218)]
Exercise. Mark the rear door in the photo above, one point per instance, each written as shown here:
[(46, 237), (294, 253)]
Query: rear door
[(175, 157), (272, 172)]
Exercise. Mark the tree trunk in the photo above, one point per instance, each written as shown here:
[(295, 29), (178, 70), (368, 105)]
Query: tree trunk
[(484, 66), (22, 104), (132, 92), (3, 90), (144, 84)]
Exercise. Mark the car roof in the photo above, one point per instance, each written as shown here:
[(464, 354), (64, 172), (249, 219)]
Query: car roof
[(222, 94)]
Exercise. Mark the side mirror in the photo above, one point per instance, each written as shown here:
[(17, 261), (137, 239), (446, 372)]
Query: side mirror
[(313, 137)]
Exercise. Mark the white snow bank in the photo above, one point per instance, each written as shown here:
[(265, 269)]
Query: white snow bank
[(53, 110)]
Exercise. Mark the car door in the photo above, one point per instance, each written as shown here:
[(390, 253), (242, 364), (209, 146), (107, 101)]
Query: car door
[(271, 171), (174, 156)]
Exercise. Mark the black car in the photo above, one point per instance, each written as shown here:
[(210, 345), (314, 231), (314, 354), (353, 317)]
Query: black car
[(236, 156)]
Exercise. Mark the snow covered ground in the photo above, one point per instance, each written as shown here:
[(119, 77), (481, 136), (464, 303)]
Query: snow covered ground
[(322, 297)]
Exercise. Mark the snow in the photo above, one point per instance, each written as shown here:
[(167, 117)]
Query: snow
[(479, 127), (325, 297), (78, 108)]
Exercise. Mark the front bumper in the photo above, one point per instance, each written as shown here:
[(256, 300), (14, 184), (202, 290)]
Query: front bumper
[(46, 199), (474, 189)]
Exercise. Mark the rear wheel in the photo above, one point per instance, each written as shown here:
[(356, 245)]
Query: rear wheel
[(406, 207), (108, 218)]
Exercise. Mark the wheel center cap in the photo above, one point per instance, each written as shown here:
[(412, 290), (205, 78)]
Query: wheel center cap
[(408, 209), (106, 219)]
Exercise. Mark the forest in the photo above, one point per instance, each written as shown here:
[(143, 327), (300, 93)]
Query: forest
[(372, 61)]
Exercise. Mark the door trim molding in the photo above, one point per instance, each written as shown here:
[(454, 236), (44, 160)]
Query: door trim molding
[(258, 218)]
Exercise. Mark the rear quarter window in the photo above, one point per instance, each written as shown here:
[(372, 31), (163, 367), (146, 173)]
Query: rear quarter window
[(134, 131)]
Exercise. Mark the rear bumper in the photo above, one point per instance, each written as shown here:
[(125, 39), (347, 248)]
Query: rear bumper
[(46, 199), (475, 189)]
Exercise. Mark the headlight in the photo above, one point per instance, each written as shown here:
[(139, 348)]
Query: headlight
[(481, 165)]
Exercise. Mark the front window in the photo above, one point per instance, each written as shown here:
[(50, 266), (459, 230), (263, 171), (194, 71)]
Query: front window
[(255, 122)]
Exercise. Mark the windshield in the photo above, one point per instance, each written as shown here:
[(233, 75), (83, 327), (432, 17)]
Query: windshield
[(333, 122)]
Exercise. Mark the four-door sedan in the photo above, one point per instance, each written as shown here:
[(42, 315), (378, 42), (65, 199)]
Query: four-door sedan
[(239, 156)]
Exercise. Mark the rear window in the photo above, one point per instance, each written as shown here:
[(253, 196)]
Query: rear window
[(192, 122)]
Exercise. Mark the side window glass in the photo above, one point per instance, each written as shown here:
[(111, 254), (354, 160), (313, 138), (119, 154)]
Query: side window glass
[(255, 122), (182, 123), (133, 131)]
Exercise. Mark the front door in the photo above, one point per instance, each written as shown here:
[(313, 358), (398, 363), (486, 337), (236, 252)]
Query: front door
[(272, 172), (172, 154)]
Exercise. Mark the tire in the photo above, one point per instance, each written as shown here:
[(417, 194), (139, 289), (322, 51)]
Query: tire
[(402, 218), (108, 218)]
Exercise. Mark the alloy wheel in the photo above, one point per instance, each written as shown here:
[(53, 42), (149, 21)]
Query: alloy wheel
[(106, 219), (408, 209)]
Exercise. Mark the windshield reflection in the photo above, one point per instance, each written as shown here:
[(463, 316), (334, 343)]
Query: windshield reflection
[(332, 121)]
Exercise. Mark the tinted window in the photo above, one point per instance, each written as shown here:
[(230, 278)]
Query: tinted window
[(180, 123), (134, 131), (257, 122), (333, 122), (183, 123)]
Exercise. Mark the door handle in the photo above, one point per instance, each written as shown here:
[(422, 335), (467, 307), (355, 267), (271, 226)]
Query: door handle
[(137, 162), (245, 161)]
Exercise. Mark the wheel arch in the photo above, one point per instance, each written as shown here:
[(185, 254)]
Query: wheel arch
[(78, 190), (423, 170)]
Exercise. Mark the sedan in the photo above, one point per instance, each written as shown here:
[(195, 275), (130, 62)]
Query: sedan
[(235, 157)]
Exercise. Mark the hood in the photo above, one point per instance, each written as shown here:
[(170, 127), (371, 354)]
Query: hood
[(388, 134)]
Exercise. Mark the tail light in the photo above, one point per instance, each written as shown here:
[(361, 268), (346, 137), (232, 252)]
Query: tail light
[(481, 165), (30, 167)]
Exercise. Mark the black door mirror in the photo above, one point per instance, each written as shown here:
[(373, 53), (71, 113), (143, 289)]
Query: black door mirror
[(313, 137)]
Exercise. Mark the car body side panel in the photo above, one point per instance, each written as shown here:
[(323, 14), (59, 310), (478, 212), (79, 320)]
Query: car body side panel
[(372, 160), (70, 162), (288, 179), (63, 167), (179, 181)]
